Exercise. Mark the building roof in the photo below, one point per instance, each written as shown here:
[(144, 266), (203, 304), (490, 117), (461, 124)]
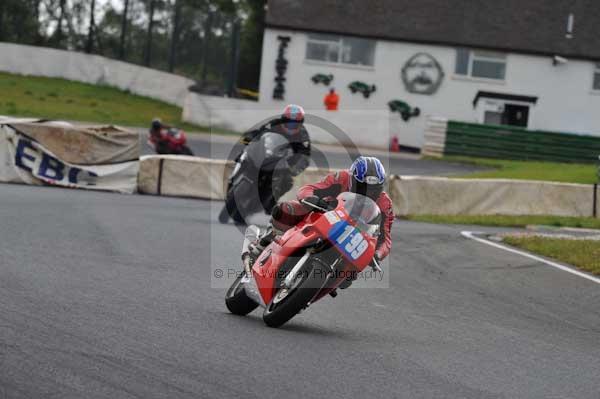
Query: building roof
[(526, 26)]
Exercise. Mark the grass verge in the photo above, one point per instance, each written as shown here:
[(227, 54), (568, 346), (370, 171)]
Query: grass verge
[(583, 254), (530, 170), (509, 221), (51, 98)]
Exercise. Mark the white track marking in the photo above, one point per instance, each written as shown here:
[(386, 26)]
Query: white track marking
[(471, 235)]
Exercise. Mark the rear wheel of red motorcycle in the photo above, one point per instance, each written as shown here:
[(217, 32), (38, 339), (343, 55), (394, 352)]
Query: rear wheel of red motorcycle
[(287, 303), (236, 299)]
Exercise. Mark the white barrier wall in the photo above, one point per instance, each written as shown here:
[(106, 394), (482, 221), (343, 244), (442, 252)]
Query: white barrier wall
[(195, 177), (206, 178), (444, 196), (93, 69), (183, 176)]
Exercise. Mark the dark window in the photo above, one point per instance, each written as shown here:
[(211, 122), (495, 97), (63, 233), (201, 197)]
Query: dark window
[(492, 118), (480, 64), (462, 61), (339, 49), (488, 69)]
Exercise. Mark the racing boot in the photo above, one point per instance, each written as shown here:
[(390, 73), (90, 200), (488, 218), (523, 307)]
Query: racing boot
[(256, 248), (348, 280)]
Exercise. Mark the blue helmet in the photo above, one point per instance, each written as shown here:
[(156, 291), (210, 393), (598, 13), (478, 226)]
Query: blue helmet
[(368, 177)]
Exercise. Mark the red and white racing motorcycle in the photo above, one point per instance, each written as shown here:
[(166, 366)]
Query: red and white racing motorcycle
[(308, 261), (170, 141)]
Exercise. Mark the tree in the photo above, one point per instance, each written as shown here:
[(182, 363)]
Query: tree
[(175, 34), (19, 21), (59, 28), (148, 51), (90, 40), (206, 45), (123, 30), (251, 44), (195, 38)]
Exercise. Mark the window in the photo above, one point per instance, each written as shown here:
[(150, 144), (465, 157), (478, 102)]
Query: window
[(597, 77), (480, 64), (338, 49)]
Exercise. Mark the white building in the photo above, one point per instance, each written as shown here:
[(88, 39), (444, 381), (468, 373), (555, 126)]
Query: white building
[(531, 63)]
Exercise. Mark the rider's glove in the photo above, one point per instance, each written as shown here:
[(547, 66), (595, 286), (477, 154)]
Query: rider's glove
[(376, 258), (249, 136)]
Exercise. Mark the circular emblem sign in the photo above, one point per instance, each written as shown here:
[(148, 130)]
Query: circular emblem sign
[(422, 74)]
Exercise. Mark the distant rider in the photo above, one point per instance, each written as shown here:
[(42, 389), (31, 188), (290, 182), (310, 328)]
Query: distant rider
[(291, 125), (158, 132)]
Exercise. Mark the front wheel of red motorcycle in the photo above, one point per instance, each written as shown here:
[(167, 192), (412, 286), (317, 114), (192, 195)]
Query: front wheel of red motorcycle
[(288, 302)]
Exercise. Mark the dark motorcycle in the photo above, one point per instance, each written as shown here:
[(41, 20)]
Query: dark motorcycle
[(261, 176)]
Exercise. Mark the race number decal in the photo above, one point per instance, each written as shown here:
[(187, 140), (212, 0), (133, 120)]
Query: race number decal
[(349, 240)]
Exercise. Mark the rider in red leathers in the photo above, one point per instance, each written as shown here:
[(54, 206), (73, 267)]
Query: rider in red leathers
[(366, 176)]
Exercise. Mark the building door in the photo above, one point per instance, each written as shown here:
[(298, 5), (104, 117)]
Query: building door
[(504, 109), (515, 115)]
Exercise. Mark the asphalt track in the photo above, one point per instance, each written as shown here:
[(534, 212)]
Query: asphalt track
[(109, 296), (220, 147)]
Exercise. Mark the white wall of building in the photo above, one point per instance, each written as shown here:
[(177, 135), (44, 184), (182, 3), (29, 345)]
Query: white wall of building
[(241, 115), (566, 101)]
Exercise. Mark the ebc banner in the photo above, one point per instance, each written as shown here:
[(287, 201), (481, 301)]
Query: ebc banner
[(34, 164)]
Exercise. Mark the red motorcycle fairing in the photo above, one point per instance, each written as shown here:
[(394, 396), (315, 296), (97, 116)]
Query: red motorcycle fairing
[(335, 226), (274, 256), (174, 138)]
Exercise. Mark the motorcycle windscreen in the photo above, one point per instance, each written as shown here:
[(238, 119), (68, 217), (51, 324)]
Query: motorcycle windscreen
[(362, 210)]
